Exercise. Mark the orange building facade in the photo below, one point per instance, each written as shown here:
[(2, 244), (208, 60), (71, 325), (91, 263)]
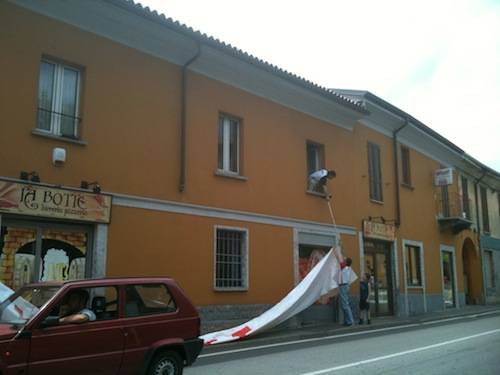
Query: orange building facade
[(196, 159)]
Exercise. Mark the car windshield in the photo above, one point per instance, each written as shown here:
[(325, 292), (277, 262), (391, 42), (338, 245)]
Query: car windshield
[(25, 303)]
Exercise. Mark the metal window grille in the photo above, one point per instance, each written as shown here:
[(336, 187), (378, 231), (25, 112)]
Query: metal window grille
[(230, 259)]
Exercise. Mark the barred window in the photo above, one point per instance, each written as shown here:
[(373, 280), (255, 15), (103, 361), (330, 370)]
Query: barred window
[(231, 259)]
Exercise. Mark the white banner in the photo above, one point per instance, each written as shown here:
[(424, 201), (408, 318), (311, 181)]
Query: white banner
[(321, 281)]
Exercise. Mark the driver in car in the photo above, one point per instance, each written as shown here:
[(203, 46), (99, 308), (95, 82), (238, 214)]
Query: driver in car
[(74, 309)]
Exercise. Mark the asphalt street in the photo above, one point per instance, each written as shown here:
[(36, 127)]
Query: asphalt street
[(461, 346)]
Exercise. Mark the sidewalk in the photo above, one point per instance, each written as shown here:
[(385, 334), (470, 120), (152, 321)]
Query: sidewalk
[(275, 336)]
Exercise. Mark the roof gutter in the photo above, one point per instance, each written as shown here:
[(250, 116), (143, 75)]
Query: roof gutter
[(182, 177)]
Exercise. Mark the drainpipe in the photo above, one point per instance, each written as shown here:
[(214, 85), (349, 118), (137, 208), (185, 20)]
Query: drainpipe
[(476, 182), (396, 171), (182, 178)]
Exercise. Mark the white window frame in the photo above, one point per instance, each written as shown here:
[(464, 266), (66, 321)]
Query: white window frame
[(319, 163), (225, 121), (449, 249), (55, 123), (419, 244), (304, 236), (245, 265)]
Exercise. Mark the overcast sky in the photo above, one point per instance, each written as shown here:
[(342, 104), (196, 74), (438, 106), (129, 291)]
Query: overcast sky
[(438, 60)]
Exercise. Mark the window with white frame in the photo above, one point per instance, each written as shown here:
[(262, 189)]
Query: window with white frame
[(58, 99), (315, 161), (231, 259), (413, 265), (229, 144), (489, 268)]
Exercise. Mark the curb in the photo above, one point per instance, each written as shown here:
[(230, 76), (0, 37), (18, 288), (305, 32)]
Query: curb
[(334, 330)]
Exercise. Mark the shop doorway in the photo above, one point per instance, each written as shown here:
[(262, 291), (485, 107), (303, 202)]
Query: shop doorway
[(449, 283), (32, 252), (378, 263), (473, 280)]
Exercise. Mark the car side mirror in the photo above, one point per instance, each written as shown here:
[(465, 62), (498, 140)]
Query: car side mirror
[(50, 321)]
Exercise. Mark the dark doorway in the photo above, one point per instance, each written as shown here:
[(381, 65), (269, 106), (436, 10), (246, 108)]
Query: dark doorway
[(378, 263)]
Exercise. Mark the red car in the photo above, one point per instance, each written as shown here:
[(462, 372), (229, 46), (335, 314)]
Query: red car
[(123, 326)]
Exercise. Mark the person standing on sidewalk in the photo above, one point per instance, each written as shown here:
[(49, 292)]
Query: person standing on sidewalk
[(344, 279), (364, 293)]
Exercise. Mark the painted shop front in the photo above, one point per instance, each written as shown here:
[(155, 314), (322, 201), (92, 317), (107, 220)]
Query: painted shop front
[(50, 234)]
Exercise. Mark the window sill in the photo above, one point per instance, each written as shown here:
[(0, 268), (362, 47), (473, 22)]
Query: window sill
[(231, 289), (406, 186), (376, 202), (316, 193), (221, 173), (43, 134)]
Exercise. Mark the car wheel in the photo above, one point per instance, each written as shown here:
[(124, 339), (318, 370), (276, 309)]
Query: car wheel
[(166, 363)]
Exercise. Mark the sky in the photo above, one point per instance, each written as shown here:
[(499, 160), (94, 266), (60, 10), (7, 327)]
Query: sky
[(438, 60)]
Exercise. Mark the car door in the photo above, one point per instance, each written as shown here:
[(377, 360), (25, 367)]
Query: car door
[(150, 316), (92, 347)]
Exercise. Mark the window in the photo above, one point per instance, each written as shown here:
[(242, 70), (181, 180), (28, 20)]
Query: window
[(315, 161), (405, 164), (374, 172), (231, 259), (484, 210), (489, 269), (465, 199), (229, 144), (413, 266), (498, 198), (102, 301), (58, 97), (145, 299)]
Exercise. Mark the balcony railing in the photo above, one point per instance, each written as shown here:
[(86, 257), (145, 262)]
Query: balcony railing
[(453, 211)]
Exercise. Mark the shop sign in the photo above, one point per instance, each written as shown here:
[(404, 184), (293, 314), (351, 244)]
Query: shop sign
[(26, 199), (443, 177), (380, 231)]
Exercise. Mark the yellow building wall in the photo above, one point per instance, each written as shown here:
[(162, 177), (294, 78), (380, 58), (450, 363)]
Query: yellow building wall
[(131, 114)]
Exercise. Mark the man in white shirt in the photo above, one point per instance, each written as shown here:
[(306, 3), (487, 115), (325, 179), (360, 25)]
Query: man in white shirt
[(74, 310), (317, 180)]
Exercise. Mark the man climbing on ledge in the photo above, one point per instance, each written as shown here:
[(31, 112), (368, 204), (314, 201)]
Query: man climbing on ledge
[(344, 279), (317, 180)]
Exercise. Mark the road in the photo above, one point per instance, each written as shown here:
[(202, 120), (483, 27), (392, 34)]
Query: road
[(457, 346)]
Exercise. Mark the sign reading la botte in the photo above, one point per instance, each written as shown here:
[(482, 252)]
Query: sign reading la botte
[(379, 231), (36, 200)]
